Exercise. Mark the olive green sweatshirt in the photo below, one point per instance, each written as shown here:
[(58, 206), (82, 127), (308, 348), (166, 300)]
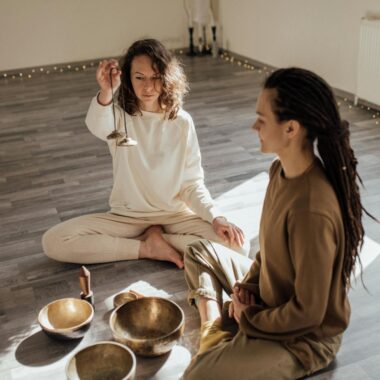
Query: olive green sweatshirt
[(297, 275)]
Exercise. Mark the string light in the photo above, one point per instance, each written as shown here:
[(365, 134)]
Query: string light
[(223, 55), (266, 71)]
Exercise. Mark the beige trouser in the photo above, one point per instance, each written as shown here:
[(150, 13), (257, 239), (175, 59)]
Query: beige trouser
[(210, 269), (106, 237)]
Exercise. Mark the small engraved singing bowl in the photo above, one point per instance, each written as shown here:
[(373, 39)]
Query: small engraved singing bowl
[(102, 360), (124, 297), (150, 326), (67, 318)]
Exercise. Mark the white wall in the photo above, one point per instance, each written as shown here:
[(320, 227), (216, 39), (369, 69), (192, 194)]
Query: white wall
[(42, 32), (320, 35)]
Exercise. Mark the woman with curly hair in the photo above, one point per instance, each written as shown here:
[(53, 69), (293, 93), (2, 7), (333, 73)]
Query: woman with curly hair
[(290, 306), (159, 202)]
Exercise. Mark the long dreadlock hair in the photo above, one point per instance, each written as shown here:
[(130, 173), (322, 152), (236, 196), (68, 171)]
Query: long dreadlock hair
[(304, 96)]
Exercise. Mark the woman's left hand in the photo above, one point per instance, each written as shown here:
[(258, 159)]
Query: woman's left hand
[(228, 231)]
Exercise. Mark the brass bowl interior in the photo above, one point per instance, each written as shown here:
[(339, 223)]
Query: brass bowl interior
[(67, 313), (123, 297), (147, 318), (100, 361)]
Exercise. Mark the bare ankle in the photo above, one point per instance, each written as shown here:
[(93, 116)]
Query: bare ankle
[(155, 247), (144, 251)]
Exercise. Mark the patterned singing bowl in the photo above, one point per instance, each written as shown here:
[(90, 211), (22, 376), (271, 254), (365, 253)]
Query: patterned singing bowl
[(67, 318), (102, 361), (150, 326)]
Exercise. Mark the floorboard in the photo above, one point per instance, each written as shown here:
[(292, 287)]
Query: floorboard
[(53, 169)]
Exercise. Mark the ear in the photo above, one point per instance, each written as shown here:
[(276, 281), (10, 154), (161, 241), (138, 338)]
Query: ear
[(292, 128)]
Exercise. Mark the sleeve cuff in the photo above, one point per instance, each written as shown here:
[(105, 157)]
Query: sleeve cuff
[(212, 213), (101, 104)]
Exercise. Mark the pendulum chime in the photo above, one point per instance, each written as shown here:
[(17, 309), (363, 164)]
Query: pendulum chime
[(115, 135)]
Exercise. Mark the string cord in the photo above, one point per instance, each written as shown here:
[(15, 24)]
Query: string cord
[(113, 106)]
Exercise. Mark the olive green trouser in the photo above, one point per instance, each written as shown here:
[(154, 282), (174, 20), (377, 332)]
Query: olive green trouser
[(210, 269)]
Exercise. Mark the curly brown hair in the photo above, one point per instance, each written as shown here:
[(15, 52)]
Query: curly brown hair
[(174, 82)]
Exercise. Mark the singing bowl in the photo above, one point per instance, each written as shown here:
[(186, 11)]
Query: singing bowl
[(102, 361), (150, 326), (124, 297), (67, 318)]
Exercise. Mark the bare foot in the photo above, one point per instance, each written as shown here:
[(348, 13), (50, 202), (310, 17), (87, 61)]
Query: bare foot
[(155, 247)]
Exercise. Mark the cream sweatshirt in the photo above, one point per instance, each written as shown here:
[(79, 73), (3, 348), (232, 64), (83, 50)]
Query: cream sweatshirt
[(163, 173)]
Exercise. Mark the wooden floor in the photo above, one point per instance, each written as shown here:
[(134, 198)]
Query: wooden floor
[(53, 169)]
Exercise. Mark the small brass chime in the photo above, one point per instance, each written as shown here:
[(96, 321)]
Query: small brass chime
[(121, 138)]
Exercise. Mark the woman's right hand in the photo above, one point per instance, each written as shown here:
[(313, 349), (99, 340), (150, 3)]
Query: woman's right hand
[(103, 78), (241, 298)]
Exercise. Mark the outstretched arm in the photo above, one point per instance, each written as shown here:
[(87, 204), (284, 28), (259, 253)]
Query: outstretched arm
[(195, 194)]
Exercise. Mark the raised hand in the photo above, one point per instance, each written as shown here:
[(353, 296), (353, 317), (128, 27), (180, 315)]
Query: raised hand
[(103, 79)]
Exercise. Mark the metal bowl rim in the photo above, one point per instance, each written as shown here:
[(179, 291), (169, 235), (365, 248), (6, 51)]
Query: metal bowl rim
[(124, 292), (67, 329), (126, 348), (137, 340)]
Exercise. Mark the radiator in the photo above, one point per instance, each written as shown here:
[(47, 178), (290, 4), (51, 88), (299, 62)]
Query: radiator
[(368, 79)]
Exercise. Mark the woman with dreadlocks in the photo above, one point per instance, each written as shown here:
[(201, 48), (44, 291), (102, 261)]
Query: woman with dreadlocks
[(289, 307)]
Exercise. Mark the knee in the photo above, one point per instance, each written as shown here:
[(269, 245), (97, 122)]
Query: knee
[(196, 250), (51, 244)]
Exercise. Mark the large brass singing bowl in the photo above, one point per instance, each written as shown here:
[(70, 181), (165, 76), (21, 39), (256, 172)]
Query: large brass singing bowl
[(67, 318), (150, 326), (102, 361)]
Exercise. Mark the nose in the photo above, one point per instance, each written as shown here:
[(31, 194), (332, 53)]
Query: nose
[(255, 126), (148, 84)]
